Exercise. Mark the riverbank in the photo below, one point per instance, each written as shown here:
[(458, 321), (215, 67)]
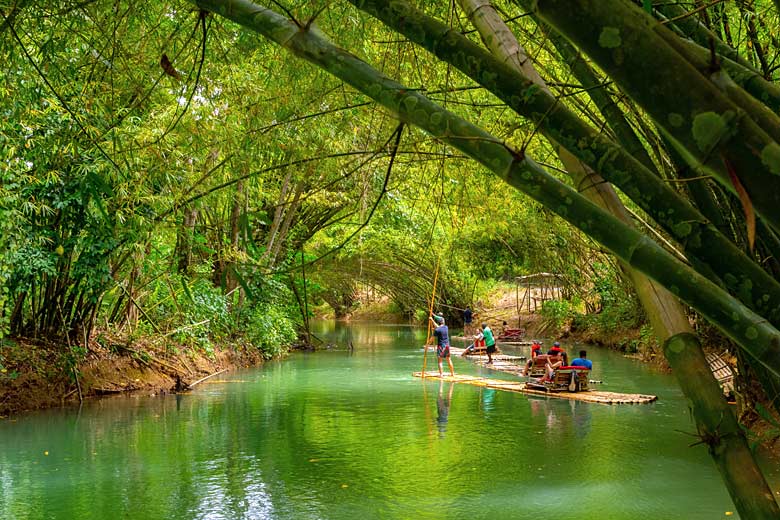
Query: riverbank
[(37, 374)]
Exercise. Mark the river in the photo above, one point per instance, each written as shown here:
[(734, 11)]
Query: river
[(350, 434)]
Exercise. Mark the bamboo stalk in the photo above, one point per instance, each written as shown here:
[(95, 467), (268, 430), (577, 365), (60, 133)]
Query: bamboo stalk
[(430, 313), (628, 44), (701, 241)]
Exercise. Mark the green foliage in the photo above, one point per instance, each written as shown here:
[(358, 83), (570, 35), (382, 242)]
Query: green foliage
[(619, 306), (558, 312), (618, 314), (269, 328), (766, 436), (203, 316), (208, 304)]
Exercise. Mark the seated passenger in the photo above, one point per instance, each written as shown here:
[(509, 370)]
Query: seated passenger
[(536, 348), (556, 350), (549, 368), (583, 361), (539, 364), (472, 349)]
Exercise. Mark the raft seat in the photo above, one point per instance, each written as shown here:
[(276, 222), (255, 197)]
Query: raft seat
[(562, 379), (480, 349), (537, 369)]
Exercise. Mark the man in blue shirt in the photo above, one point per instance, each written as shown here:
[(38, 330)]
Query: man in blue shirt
[(442, 335), (582, 361), (468, 317)]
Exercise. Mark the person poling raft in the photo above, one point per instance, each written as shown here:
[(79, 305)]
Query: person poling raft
[(442, 336)]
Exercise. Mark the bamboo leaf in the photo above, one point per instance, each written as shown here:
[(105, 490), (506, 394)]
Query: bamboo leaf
[(747, 206), (187, 290), (249, 293)]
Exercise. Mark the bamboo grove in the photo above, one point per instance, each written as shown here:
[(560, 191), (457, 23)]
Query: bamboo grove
[(651, 127)]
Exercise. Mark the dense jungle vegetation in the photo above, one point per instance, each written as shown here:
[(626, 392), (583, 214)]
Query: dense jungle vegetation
[(211, 170)]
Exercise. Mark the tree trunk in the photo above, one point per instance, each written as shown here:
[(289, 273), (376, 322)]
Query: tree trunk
[(289, 215), (278, 213), (184, 240), (235, 214)]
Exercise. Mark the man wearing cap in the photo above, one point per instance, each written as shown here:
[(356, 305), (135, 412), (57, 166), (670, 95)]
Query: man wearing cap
[(442, 335), (556, 350), (536, 348)]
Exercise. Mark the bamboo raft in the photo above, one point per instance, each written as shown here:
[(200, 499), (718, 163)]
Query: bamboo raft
[(501, 362), (502, 342), (591, 396)]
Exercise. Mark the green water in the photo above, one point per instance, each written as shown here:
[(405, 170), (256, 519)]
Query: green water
[(334, 434)]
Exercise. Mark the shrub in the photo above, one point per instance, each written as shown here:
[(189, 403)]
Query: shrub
[(270, 329), (557, 312)]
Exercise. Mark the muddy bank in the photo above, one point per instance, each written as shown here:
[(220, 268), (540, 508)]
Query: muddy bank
[(36, 374)]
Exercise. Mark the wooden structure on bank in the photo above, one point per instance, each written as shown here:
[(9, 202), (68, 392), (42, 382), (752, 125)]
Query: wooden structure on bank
[(591, 396), (722, 371), (537, 289)]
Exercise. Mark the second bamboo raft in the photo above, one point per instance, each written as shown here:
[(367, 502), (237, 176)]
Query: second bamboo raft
[(591, 396)]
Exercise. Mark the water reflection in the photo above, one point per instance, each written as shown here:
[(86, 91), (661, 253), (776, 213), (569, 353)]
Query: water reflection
[(443, 408), (580, 413), (488, 398), (561, 417)]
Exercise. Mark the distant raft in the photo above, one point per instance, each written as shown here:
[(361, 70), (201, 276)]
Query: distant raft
[(589, 396)]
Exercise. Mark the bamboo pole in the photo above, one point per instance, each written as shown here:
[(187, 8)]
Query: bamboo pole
[(207, 377), (430, 313)]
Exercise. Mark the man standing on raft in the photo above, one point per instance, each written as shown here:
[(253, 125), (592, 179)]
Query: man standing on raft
[(442, 335), (490, 342)]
